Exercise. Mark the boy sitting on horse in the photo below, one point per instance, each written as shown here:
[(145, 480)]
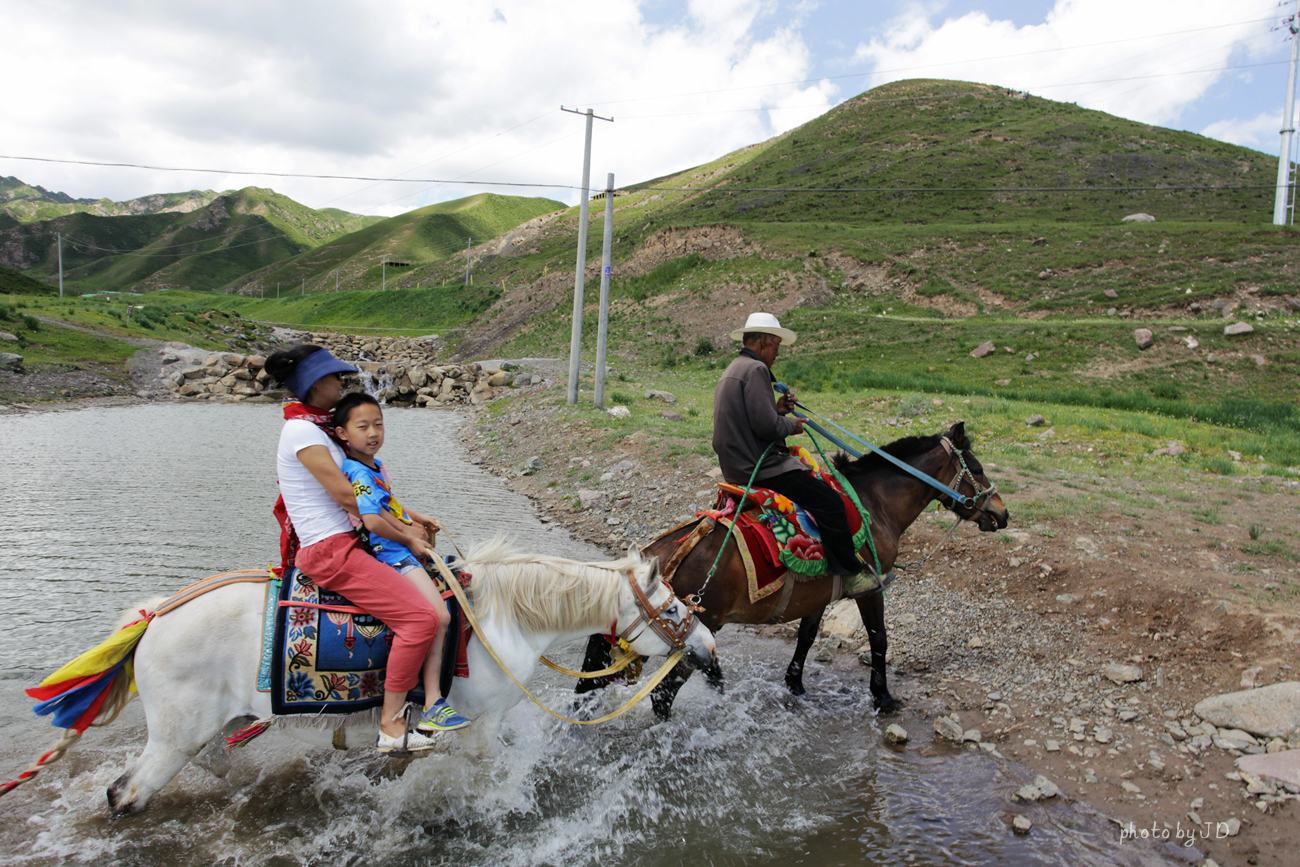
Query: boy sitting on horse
[(359, 423), (749, 427)]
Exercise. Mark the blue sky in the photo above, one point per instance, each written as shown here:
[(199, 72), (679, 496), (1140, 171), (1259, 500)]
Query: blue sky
[(448, 93)]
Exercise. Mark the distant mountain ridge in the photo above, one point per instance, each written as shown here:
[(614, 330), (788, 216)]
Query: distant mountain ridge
[(30, 203)]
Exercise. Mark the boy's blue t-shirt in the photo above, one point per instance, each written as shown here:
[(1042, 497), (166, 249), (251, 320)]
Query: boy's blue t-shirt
[(374, 497)]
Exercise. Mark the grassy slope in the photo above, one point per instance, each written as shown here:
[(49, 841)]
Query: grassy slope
[(1028, 272), (431, 233), (412, 311), (17, 283)]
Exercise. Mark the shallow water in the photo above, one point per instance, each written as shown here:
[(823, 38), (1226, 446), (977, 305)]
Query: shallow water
[(112, 505)]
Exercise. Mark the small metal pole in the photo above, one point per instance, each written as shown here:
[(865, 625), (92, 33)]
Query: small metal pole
[(580, 272), (384, 268), (304, 286), (336, 279), (1288, 124), (469, 245), (59, 235), (602, 329)]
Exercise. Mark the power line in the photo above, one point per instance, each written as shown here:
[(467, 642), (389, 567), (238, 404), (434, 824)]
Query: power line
[(282, 174)]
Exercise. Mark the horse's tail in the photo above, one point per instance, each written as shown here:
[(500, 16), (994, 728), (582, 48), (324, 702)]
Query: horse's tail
[(91, 689)]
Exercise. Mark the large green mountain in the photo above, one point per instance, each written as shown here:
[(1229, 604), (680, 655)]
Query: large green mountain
[(416, 238)]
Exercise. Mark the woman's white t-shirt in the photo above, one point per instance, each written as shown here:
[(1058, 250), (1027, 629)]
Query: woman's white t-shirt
[(313, 511)]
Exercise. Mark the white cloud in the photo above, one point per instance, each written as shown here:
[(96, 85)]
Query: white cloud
[(337, 87), (1261, 132), (1115, 72)]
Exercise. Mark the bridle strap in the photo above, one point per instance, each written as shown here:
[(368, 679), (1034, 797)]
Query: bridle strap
[(674, 634)]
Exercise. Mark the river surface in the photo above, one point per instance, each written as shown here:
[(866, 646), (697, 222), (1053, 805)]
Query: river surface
[(109, 506)]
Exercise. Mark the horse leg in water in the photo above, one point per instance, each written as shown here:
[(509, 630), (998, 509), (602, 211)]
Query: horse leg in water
[(598, 657), (808, 627), (191, 687), (872, 609)]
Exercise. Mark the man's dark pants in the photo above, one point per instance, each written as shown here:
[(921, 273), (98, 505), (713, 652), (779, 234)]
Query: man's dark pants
[(827, 508)]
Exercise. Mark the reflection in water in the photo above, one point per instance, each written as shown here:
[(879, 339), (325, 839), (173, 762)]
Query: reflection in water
[(116, 504)]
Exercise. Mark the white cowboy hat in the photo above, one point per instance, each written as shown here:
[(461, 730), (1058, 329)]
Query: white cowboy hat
[(764, 323)]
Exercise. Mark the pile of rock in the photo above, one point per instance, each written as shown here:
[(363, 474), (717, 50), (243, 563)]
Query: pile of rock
[(409, 350), (242, 377)]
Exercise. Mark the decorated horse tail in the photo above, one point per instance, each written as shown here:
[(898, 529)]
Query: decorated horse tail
[(90, 690)]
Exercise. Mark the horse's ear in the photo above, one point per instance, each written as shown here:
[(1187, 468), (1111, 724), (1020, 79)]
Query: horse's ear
[(957, 433), (653, 571)]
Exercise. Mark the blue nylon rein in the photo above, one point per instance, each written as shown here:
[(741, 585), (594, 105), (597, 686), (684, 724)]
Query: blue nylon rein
[(929, 480)]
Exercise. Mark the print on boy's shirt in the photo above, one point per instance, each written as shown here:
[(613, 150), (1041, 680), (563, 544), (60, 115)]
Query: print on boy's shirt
[(374, 497)]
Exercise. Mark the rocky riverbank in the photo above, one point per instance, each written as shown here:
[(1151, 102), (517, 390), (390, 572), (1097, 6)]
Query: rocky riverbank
[(406, 381), (1039, 648)]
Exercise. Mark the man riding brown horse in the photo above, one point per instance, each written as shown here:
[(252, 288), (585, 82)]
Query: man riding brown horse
[(749, 432)]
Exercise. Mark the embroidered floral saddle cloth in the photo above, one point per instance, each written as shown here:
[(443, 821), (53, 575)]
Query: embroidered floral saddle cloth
[(780, 532), (328, 656)]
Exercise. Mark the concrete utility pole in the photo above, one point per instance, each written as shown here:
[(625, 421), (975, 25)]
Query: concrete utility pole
[(59, 235), (304, 286), (602, 329), (1288, 124), (575, 339), (277, 289), (469, 245), (384, 269), (336, 279)]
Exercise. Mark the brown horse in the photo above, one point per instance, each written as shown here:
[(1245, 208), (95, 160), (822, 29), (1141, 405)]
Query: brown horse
[(894, 500)]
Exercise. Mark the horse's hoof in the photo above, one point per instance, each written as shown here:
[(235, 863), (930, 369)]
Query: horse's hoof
[(795, 685), (885, 704)]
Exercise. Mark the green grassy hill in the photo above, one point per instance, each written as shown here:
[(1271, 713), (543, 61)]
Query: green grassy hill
[(429, 234), (17, 283), (203, 249), (892, 288)]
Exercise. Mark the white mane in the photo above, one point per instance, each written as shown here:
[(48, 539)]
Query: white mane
[(546, 594)]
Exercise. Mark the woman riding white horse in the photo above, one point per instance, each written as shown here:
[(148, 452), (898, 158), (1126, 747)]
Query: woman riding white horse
[(318, 499), (196, 666)]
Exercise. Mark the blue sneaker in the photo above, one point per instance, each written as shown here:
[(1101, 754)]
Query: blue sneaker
[(440, 718)]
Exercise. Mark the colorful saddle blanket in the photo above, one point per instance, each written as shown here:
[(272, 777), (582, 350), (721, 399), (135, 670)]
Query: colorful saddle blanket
[(327, 656), (776, 535)]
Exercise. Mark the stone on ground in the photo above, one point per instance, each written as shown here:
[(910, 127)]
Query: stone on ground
[(1238, 328), (948, 728), (1117, 673), (982, 350), (1284, 766), (1035, 421), (1267, 711), (619, 412), (896, 734), (1138, 218), (1021, 825), (1144, 338), (666, 397)]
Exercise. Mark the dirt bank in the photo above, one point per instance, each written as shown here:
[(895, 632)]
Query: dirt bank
[(1012, 632)]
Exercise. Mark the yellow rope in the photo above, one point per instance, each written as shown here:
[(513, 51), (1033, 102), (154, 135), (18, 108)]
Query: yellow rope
[(473, 621)]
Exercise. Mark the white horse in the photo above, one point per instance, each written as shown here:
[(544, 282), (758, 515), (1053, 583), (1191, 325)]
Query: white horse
[(196, 667)]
